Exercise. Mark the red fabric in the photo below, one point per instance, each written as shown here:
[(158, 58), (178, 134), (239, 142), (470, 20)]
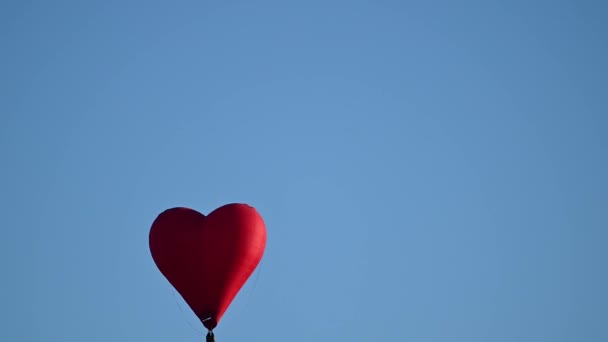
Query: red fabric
[(208, 258)]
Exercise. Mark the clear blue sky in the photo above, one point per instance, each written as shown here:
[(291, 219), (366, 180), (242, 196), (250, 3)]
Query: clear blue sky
[(428, 171)]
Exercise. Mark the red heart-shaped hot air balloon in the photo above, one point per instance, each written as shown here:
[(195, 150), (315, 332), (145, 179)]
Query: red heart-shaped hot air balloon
[(208, 259)]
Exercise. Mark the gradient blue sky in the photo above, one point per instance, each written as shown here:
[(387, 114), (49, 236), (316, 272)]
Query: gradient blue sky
[(428, 171)]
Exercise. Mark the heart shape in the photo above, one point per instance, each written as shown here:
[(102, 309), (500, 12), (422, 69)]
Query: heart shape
[(208, 259)]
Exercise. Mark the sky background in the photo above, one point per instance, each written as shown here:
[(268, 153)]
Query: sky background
[(427, 170)]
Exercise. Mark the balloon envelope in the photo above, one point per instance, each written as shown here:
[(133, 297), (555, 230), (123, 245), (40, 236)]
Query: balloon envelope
[(208, 259)]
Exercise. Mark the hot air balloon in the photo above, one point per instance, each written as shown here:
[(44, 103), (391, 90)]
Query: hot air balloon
[(208, 259)]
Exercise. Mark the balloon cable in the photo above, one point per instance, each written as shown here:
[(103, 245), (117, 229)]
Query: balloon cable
[(198, 332)]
